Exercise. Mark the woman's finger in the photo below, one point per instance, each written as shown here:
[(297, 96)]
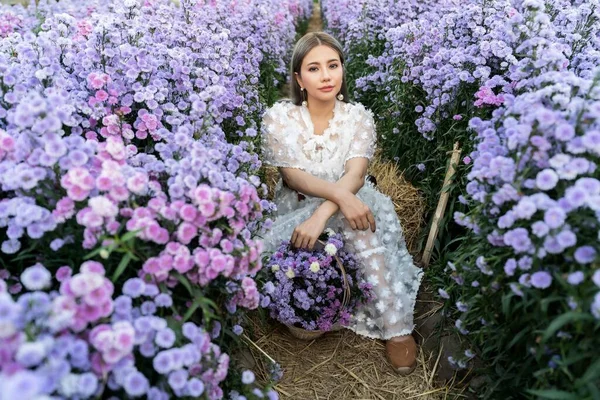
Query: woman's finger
[(365, 223), (371, 219), (305, 241), (352, 224)]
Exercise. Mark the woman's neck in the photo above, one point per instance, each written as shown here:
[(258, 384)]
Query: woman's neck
[(321, 109)]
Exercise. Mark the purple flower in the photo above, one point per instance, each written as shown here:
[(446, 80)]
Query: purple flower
[(510, 266), (238, 330), (546, 179), (195, 387), (163, 300), (134, 287), (595, 307), (165, 338), (541, 280), (443, 294), (596, 277), (178, 379), (163, 362), (585, 254), (136, 384), (555, 217), (575, 278)]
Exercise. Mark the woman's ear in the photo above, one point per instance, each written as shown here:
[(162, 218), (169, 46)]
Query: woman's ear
[(298, 79)]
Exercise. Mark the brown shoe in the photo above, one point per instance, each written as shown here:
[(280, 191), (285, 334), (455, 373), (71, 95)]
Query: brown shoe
[(401, 352)]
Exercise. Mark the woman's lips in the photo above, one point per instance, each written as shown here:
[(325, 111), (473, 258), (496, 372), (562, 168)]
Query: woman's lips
[(327, 89)]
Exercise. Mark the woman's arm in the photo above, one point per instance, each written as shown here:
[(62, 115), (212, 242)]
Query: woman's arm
[(357, 213), (353, 180)]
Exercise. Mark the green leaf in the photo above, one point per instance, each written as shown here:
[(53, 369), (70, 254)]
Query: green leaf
[(562, 320), (121, 267), (592, 373), (554, 394), (506, 304), (129, 235), (197, 302), (184, 281), (93, 253)]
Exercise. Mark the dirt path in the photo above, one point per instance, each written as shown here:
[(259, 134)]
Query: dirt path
[(315, 24)]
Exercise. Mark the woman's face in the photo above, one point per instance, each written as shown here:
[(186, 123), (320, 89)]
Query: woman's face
[(321, 74)]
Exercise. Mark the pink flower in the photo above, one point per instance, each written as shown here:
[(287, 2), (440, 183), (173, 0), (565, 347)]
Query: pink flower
[(203, 194), (97, 80), (467, 160), (201, 258), (457, 117), (183, 263), (101, 95), (188, 212), (186, 232), (63, 273), (138, 183)]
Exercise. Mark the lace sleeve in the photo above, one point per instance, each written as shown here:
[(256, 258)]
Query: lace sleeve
[(276, 146), (365, 138)]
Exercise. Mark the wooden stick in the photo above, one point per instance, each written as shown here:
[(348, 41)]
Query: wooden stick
[(441, 206)]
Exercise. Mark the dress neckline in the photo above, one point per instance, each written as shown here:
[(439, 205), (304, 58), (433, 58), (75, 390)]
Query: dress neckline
[(308, 120)]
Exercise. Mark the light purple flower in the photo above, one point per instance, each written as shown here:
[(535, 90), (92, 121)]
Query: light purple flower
[(36, 277), (195, 387), (247, 377), (165, 338), (178, 379), (541, 279), (136, 384), (237, 330), (575, 278), (134, 287), (546, 179), (585, 254), (555, 217)]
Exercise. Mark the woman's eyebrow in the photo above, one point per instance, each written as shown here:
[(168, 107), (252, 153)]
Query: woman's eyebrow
[(316, 62)]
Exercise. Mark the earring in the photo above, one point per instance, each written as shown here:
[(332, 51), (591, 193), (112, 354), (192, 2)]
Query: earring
[(304, 102), (340, 97)]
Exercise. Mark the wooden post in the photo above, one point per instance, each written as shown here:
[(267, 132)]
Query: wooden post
[(441, 206)]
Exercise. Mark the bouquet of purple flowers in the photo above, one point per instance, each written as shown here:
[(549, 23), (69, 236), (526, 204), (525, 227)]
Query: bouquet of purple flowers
[(306, 289)]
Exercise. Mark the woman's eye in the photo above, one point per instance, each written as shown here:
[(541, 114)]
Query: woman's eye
[(311, 69), (334, 65)]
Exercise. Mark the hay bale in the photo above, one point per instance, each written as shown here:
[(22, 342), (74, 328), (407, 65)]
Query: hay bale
[(409, 204), (338, 366)]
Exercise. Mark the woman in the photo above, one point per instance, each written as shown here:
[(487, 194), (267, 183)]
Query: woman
[(322, 145)]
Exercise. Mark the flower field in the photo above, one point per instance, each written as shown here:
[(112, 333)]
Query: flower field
[(129, 193), (131, 198), (516, 84)]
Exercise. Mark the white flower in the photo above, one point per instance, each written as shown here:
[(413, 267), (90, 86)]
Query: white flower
[(290, 273), (329, 232), (315, 267), (330, 249), (103, 206), (275, 268), (36, 277)]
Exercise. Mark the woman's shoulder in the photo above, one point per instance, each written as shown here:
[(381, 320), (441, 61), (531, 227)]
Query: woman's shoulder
[(280, 108), (358, 110)]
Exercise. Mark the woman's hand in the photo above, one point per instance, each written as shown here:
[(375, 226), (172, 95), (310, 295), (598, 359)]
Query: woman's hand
[(357, 213), (307, 233)]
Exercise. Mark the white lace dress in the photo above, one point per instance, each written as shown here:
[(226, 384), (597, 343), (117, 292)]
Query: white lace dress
[(288, 140)]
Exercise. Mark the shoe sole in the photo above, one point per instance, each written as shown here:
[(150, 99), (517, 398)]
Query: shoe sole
[(404, 371)]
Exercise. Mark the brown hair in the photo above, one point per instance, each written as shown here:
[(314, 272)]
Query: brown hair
[(301, 49)]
